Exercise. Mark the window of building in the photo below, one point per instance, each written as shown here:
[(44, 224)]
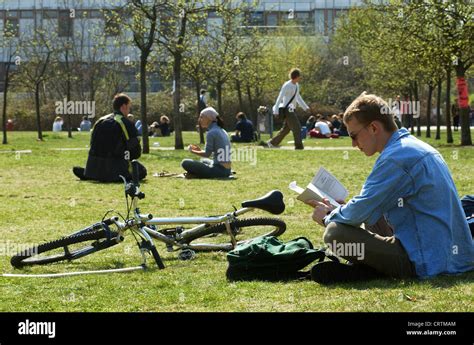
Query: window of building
[(95, 14), (319, 20), (51, 14), (256, 19), (271, 19), (303, 18), (27, 14), (65, 24), (12, 14)]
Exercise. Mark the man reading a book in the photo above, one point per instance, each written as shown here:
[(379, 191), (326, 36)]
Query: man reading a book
[(414, 225)]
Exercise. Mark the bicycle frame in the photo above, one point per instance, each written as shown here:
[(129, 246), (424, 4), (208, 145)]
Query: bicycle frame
[(142, 221)]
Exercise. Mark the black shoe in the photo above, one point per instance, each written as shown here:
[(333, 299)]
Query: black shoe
[(79, 172), (330, 272)]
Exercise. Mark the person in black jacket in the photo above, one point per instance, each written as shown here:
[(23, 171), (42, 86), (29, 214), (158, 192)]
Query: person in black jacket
[(114, 144)]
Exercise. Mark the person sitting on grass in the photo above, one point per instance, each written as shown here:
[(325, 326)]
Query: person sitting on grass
[(165, 126), (310, 123), (415, 226), (321, 129), (58, 124), (85, 125), (114, 144), (244, 132), (336, 124), (342, 130), (217, 144)]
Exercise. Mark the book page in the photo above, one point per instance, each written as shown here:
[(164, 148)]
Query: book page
[(329, 185), (311, 193)]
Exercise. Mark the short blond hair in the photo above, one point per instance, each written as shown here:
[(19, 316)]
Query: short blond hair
[(367, 108)]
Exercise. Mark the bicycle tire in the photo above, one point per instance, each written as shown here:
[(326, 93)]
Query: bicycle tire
[(27, 257), (280, 228)]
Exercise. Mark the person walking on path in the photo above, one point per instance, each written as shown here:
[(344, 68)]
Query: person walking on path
[(285, 106)]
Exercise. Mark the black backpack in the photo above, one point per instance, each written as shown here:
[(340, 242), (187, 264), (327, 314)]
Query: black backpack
[(268, 258), (114, 144), (467, 203)]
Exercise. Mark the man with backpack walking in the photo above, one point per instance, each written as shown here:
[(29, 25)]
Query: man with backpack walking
[(285, 107), (114, 144)]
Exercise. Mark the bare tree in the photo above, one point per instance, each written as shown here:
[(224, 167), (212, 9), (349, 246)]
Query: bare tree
[(11, 47)]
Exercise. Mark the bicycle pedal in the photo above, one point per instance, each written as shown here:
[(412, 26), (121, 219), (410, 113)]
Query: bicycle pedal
[(186, 254)]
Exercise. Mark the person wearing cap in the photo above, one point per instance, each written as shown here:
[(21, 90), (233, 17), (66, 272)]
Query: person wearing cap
[(217, 145)]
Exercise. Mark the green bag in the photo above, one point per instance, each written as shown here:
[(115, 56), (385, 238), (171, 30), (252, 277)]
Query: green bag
[(268, 258)]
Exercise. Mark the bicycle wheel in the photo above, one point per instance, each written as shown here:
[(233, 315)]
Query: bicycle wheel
[(243, 229), (67, 248)]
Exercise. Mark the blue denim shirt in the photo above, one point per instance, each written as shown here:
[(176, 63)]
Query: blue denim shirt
[(218, 144), (411, 186)]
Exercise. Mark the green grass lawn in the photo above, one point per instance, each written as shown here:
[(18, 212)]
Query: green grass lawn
[(41, 200)]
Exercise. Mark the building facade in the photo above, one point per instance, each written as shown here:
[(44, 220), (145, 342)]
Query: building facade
[(78, 21)]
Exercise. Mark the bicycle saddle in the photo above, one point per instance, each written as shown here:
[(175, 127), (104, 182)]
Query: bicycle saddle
[(271, 202)]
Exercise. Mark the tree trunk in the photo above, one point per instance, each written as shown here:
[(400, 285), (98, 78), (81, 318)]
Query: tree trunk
[(219, 96), (178, 139), (143, 107), (448, 105), (438, 110), (466, 139), (239, 94), (5, 93), (252, 113), (428, 110), (68, 94), (38, 115), (198, 95), (417, 101), (410, 115)]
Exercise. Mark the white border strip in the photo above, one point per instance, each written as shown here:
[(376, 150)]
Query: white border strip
[(19, 151), (59, 275)]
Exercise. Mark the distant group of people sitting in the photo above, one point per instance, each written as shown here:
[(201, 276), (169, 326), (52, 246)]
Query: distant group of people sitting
[(85, 125), (156, 129), (320, 126), (160, 129)]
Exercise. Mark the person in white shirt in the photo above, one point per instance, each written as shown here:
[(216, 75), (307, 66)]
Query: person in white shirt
[(58, 124), (85, 125), (285, 106), (321, 129)]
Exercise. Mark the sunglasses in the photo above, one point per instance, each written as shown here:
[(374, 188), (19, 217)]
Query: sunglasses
[(354, 136)]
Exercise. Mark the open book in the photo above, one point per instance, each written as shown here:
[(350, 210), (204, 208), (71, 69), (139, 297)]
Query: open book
[(323, 185)]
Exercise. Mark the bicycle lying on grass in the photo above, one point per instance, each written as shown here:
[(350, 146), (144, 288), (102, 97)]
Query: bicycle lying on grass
[(110, 232)]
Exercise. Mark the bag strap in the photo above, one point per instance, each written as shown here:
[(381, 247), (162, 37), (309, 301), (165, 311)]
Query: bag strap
[(291, 99), (119, 119)]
